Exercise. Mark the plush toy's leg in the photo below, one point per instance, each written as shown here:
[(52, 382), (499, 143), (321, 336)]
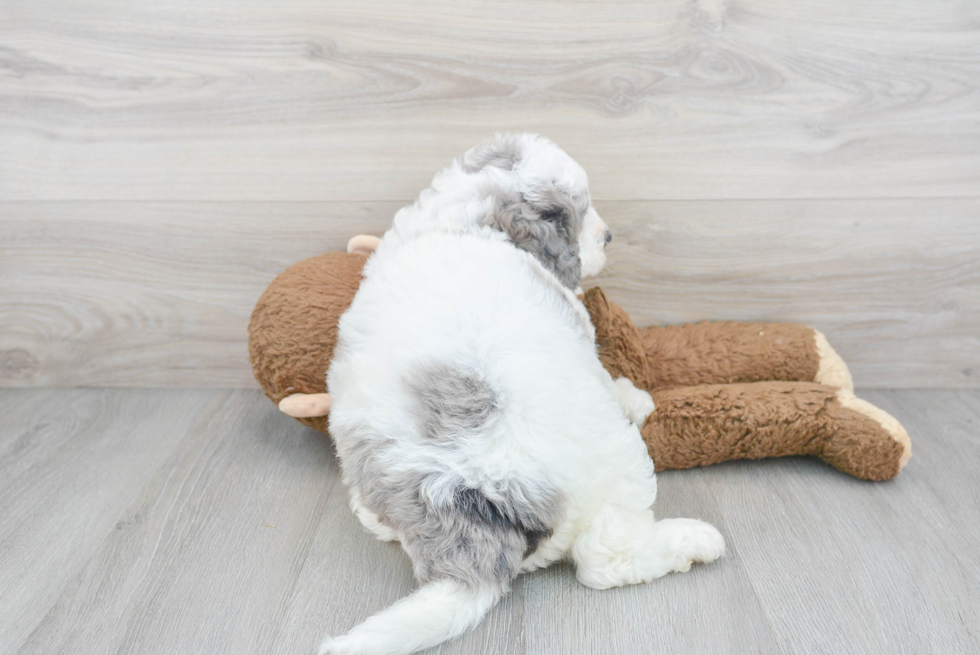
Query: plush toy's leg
[(728, 352), (701, 425)]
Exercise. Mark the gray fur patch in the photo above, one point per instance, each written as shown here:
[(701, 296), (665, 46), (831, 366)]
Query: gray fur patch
[(449, 528), (546, 226), (545, 223), (450, 402), (503, 151)]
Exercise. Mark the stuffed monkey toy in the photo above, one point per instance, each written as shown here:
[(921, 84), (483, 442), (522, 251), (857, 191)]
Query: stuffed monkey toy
[(721, 391)]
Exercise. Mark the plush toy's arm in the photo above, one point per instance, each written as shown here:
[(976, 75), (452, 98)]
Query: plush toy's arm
[(729, 352), (711, 353), (707, 424), (306, 405), (618, 341)]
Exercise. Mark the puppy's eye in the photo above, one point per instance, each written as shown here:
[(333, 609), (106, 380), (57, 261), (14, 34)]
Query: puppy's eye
[(607, 236), (553, 214)]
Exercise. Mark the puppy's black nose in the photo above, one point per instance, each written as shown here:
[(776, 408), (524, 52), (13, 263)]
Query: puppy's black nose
[(607, 235)]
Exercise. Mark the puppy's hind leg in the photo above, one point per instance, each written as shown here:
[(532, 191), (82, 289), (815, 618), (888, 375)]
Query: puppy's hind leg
[(370, 520), (466, 547), (625, 545)]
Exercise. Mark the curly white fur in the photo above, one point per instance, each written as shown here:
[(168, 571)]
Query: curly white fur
[(473, 419)]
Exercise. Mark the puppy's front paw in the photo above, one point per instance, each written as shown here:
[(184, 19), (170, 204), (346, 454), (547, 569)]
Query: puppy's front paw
[(641, 406), (636, 404)]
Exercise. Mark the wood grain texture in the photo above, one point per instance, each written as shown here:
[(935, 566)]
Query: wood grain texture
[(203, 522), (134, 294), (159, 294), (70, 463), (690, 613), (842, 565), (210, 545), (160, 163), (304, 100), (894, 284)]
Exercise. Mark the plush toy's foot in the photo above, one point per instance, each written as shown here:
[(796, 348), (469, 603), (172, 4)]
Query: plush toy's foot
[(363, 244), (306, 405), (858, 448), (707, 424)]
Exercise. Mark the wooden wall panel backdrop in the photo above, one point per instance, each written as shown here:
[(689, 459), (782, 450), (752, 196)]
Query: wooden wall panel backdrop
[(318, 100), (159, 294), (161, 162)]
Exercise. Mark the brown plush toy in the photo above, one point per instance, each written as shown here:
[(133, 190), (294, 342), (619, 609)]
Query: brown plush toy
[(722, 391)]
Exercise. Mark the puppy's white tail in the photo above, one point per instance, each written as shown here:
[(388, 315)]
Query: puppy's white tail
[(438, 611)]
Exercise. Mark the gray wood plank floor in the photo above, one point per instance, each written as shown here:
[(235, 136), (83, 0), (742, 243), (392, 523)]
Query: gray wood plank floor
[(202, 521)]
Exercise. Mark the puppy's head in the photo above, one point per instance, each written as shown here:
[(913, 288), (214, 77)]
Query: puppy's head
[(539, 198)]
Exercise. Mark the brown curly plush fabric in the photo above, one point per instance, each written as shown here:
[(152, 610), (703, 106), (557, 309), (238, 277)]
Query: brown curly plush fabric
[(707, 424), (621, 348), (725, 352), (722, 352), (722, 390), (293, 329), (728, 390)]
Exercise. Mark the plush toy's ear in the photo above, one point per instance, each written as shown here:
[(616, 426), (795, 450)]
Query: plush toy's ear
[(620, 345), (363, 244)]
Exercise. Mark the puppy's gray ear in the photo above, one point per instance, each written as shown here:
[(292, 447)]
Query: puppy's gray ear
[(547, 226)]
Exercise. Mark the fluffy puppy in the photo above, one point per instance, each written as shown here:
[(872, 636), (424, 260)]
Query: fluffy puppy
[(472, 418)]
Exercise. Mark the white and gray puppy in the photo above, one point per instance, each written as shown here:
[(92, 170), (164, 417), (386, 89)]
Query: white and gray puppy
[(472, 417)]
